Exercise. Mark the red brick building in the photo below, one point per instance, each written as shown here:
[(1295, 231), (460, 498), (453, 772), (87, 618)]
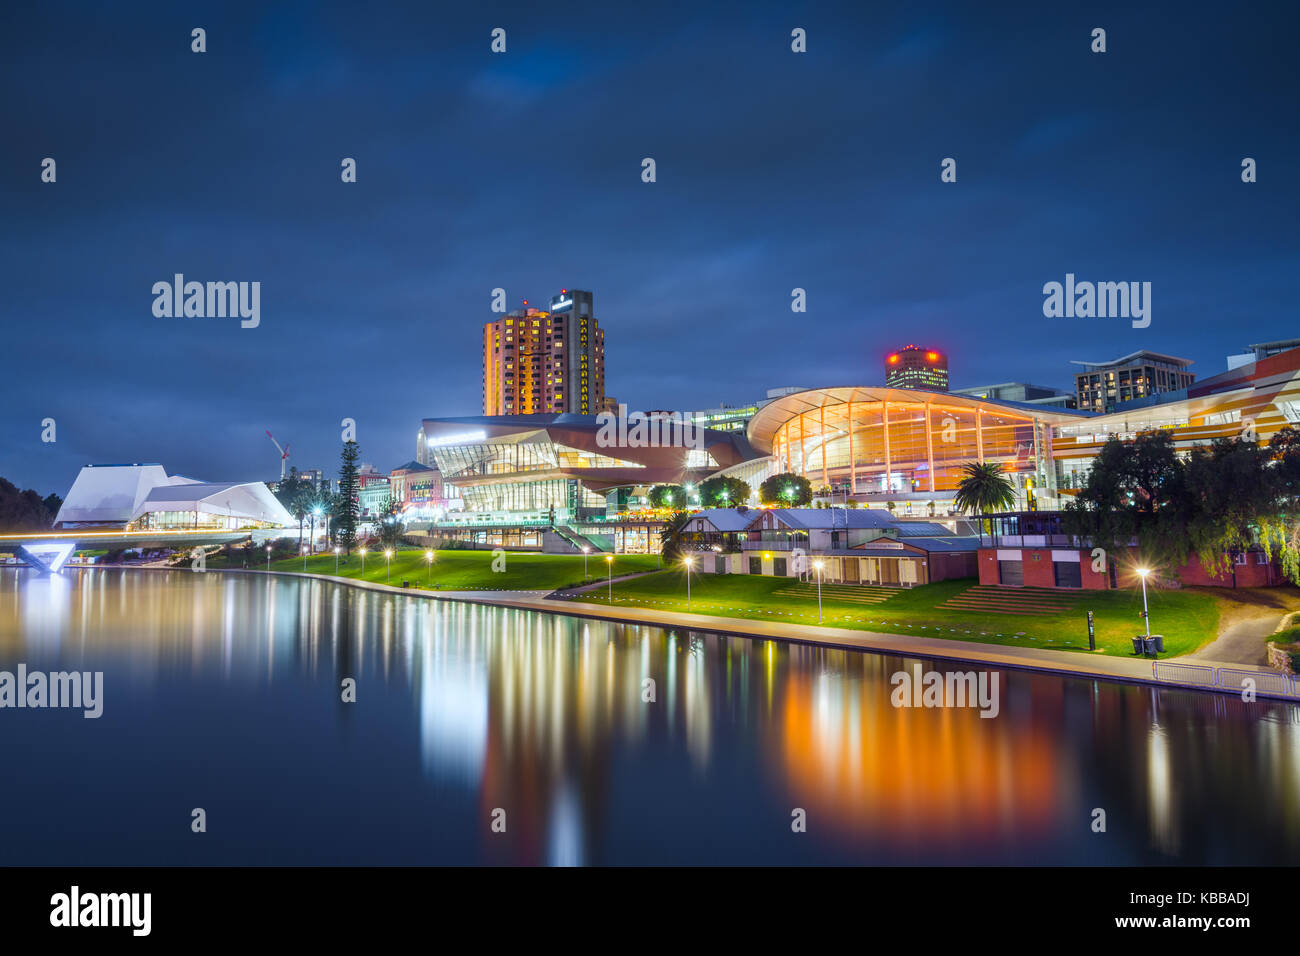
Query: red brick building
[(1028, 549)]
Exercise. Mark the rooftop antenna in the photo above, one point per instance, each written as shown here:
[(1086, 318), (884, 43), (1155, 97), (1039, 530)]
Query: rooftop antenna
[(284, 453)]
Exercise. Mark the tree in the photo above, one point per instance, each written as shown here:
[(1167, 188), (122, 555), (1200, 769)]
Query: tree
[(667, 496), (787, 489), (984, 488), (347, 505), (670, 536), (294, 492), (1135, 492), (724, 491), (24, 510), (1230, 503), (391, 530)]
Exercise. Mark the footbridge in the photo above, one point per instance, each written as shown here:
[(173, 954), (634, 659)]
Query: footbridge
[(48, 551)]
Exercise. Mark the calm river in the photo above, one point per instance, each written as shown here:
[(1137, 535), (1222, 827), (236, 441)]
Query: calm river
[(222, 692)]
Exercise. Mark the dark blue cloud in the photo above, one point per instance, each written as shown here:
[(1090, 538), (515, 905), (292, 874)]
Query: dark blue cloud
[(775, 170)]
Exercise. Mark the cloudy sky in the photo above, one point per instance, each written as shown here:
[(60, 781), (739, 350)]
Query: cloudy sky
[(522, 170)]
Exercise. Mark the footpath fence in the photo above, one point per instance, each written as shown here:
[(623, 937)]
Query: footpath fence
[(1231, 679)]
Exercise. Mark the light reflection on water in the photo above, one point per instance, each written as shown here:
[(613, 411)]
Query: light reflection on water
[(222, 690)]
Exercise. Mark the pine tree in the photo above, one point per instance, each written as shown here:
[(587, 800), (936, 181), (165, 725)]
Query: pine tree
[(348, 509)]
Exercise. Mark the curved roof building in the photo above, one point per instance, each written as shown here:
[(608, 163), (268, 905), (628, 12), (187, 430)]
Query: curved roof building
[(907, 444), (521, 463), (901, 443), (146, 497)]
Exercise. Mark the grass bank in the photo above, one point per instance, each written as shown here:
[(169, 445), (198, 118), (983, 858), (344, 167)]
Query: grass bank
[(1187, 618), (462, 570)]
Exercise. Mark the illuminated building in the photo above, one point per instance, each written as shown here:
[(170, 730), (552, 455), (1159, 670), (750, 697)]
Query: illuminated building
[(1102, 386), (545, 361), (1021, 392), (915, 367), (521, 467), (138, 497), (904, 446)]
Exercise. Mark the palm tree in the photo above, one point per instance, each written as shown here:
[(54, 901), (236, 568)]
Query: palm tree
[(670, 536), (984, 488)]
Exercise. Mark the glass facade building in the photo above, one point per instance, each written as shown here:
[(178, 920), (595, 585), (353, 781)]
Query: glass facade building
[(885, 442)]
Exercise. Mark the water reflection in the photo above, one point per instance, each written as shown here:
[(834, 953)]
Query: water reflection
[(545, 718)]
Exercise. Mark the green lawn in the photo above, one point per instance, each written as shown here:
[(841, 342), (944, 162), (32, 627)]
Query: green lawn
[(1187, 618), (465, 570)]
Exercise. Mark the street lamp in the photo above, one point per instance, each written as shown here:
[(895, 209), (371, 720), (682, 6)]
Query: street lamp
[(609, 563), (585, 551), (688, 561), (304, 559), (818, 566), (268, 557), (363, 562), (337, 549), (1142, 573), (428, 556), (388, 556)]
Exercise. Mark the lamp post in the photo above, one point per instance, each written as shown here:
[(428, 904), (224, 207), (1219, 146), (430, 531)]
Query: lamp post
[(428, 556), (268, 557), (388, 556), (585, 551), (818, 566), (304, 559), (609, 564), (688, 561), (1142, 573), (337, 549), (363, 561)]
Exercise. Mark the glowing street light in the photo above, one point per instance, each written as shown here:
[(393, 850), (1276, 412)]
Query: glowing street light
[(818, 566), (428, 556), (585, 551), (1142, 573), (388, 556), (689, 562), (609, 563), (363, 562), (268, 557), (337, 549), (304, 559)]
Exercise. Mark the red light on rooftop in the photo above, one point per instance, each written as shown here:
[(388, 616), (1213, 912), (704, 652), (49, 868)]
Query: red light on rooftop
[(893, 359), (932, 356)]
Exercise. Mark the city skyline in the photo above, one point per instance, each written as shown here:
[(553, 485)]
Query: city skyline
[(374, 293)]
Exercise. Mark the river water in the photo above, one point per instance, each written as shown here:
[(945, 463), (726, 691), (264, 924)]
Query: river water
[(489, 735)]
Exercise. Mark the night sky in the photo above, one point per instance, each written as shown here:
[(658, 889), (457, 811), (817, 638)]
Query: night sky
[(522, 170)]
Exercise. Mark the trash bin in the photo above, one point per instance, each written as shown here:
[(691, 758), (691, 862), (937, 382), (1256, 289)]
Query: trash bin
[(1137, 645), (1160, 642), (1149, 645)]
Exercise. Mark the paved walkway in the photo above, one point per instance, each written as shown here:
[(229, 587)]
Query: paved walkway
[(1075, 664), (1242, 641)]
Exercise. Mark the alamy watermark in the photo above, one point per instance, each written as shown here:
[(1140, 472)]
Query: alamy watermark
[(211, 300), (953, 689), (129, 910), (1102, 300), (82, 689), (641, 430)]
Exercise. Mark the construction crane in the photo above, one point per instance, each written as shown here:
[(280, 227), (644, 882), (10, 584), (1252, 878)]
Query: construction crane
[(284, 453)]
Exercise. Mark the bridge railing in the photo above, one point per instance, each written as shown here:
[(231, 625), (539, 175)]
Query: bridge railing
[(1233, 679)]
